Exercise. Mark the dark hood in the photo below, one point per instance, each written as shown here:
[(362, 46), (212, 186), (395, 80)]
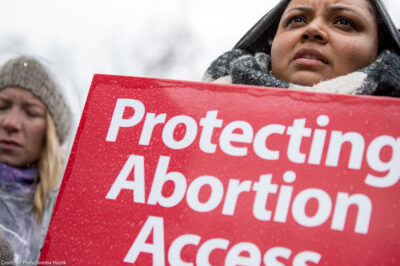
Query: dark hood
[(259, 37)]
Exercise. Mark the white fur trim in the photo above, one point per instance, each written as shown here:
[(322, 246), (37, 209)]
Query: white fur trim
[(224, 80), (347, 84), (207, 77)]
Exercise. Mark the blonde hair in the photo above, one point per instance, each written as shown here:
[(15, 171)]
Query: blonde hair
[(49, 169)]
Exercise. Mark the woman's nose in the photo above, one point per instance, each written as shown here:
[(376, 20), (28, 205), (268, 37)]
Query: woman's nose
[(315, 32), (11, 121)]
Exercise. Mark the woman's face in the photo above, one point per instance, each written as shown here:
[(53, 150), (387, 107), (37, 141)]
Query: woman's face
[(22, 127), (321, 39)]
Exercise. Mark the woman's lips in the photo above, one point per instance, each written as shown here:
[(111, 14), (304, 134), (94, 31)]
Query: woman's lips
[(9, 144), (309, 57)]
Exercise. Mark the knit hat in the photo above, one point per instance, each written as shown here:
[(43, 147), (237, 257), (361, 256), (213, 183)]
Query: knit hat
[(27, 73), (259, 38)]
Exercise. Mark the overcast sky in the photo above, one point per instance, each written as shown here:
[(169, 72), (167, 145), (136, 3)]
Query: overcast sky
[(129, 37)]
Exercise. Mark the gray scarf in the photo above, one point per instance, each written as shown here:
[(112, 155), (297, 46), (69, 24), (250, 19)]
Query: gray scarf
[(380, 78)]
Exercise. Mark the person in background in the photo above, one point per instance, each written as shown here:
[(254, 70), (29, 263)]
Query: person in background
[(338, 46), (35, 120)]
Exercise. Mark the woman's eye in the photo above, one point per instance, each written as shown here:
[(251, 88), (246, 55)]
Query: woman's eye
[(3, 105), (33, 113), (345, 23), (295, 21)]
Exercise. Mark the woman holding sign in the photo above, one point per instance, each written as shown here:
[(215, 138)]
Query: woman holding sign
[(34, 121), (340, 46)]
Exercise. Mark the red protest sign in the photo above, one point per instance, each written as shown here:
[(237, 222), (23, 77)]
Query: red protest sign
[(181, 173)]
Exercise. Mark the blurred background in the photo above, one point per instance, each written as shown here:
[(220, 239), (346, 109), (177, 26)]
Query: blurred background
[(174, 39)]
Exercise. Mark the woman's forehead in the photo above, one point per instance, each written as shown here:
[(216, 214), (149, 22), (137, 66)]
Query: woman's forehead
[(358, 4), (19, 94)]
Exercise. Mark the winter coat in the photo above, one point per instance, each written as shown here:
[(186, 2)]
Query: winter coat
[(17, 220), (249, 61)]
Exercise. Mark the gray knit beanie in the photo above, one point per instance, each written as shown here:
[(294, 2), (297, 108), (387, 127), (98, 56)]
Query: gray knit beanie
[(27, 73), (6, 251)]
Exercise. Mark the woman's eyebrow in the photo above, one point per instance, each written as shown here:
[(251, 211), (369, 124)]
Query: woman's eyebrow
[(341, 9), (299, 8), (331, 9)]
